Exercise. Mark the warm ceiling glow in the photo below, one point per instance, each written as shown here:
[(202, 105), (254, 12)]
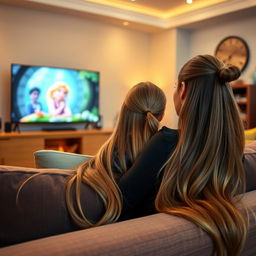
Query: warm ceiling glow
[(153, 12), (189, 1)]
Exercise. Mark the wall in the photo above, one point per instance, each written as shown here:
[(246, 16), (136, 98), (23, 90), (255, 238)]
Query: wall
[(124, 57), (162, 69), (34, 37), (205, 40), (171, 49)]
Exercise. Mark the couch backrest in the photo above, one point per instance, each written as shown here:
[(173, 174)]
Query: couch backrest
[(154, 235), (40, 210)]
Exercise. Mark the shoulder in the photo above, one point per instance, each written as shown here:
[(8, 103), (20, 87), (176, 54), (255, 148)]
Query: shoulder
[(168, 131), (166, 134), (163, 141)]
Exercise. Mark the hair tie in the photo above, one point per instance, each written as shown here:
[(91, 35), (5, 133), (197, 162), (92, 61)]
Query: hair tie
[(220, 75)]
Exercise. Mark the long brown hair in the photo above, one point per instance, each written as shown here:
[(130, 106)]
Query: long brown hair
[(205, 171), (137, 122)]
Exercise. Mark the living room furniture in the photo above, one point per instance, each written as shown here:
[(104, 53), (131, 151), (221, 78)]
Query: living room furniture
[(38, 222), (155, 235), (245, 95), (18, 148)]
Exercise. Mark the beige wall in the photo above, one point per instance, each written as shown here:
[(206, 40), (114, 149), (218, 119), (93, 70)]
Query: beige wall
[(123, 57), (242, 27), (40, 38), (163, 69)]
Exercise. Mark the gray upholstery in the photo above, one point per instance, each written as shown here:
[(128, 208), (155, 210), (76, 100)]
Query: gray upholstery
[(41, 212), (158, 234), (41, 207)]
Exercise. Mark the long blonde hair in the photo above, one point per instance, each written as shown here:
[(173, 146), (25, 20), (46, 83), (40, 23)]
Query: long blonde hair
[(205, 171), (137, 122)]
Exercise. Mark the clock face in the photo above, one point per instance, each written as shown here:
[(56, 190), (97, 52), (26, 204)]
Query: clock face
[(233, 50)]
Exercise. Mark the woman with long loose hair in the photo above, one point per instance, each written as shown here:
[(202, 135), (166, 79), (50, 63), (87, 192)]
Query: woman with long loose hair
[(205, 173), (138, 121)]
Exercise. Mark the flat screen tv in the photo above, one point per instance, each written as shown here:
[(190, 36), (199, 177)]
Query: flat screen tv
[(42, 94)]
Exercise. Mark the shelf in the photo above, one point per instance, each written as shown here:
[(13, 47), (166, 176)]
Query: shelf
[(245, 96), (241, 102)]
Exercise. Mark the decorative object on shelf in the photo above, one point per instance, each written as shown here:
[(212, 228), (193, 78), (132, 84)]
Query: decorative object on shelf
[(8, 127), (254, 76), (233, 50)]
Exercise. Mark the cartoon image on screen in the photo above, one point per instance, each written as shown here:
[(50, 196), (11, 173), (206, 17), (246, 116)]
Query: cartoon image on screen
[(50, 94)]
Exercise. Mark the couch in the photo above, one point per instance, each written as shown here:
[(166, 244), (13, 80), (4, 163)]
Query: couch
[(159, 234)]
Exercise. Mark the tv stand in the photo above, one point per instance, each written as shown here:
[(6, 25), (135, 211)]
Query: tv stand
[(16, 127), (17, 148), (53, 129)]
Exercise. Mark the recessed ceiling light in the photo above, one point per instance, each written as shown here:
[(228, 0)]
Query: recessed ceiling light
[(133, 0), (125, 23), (189, 1)]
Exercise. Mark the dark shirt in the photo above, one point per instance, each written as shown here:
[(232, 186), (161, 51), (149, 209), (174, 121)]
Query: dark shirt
[(139, 185)]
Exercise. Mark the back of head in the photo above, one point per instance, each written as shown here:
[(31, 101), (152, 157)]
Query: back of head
[(205, 171), (138, 120), (139, 117), (209, 112)]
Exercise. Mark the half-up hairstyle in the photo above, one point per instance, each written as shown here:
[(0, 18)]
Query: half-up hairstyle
[(136, 124), (204, 174)]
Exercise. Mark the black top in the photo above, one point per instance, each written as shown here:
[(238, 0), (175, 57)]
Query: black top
[(140, 183)]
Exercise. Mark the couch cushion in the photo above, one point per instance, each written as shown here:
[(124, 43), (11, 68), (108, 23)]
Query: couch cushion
[(58, 159), (41, 208), (64, 160)]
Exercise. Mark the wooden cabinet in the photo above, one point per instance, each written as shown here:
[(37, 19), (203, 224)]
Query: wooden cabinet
[(17, 148), (245, 95)]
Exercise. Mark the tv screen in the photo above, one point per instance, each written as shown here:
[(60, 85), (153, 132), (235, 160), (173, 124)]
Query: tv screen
[(41, 94)]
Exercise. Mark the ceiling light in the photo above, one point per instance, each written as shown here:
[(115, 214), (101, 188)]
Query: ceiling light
[(125, 23), (133, 0), (189, 1)]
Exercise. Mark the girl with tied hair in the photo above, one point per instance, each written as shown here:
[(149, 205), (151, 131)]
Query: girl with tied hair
[(138, 120), (197, 172), (93, 194), (205, 173)]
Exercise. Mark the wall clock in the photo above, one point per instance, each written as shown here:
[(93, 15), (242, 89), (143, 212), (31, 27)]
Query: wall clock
[(233, 50)]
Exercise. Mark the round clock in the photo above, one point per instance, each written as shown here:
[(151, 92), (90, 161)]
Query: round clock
[(233, 50)]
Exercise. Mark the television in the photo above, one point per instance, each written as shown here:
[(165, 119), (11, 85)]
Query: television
[(45, 94)]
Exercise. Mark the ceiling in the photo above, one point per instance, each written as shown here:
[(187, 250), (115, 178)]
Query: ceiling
[(159, 5), (147, 15), (158, 8)]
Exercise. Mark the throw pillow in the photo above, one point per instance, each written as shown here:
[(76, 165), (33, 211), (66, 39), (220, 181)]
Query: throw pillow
[(59, 160)]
